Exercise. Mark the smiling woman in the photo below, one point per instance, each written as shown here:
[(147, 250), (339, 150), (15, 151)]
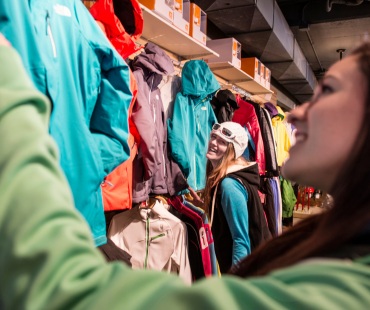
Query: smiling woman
[(331, 153), (231, 196), (328, 127)]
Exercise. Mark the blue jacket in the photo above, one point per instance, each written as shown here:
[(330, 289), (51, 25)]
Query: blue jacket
[(191, 124), (71, 61)]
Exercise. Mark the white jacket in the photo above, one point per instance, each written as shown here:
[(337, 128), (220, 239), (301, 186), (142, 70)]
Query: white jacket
[(155, 238)]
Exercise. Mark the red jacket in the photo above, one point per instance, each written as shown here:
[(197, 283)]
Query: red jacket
[(123, 23), (246, 116)]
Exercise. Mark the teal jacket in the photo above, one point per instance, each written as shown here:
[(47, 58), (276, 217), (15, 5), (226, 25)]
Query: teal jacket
[(70, 59), (190, 126), (48, 259)]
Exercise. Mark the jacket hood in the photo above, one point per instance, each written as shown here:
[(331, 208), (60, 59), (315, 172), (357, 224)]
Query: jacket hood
[(153, 59), (281, 113), (249, 173), (122, 21), (198, 80), (271, 108)]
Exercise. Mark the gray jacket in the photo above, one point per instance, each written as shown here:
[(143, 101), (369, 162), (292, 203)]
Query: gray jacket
[(153, 172)]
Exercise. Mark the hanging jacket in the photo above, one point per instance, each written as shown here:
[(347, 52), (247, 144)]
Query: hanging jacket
[(153, 171), (271, 108), (154, 238), (281, 137), (200, 227), (288, 197), (258, 231), (88, 83), (192, 120), (224, 105), (122, 22), (247, 117), (268, 140)]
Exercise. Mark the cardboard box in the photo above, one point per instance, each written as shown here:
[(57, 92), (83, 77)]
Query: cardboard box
[(267, 78), (163, 8), (252, 66), (181, 15), (198, 23), (263, 81), (229, 49)]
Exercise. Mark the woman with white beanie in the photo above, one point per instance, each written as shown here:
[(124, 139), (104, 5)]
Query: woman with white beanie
[(231, 196)]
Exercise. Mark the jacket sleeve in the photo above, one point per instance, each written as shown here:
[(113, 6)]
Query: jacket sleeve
[(178, 132), (142, 117), (234, 205), (109, 121), (48, 259)]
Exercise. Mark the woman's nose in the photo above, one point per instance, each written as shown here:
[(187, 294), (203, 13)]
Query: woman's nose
[(298, 113)]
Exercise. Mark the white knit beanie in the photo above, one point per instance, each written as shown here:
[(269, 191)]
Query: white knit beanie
[(239, 137)]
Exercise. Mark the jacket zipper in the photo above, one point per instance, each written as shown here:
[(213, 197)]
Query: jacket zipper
[(156, 237), (49, 33), (149, 240), (150, 104)]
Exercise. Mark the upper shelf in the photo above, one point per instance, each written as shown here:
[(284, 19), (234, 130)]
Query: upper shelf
[(164, 34), (238, 77)]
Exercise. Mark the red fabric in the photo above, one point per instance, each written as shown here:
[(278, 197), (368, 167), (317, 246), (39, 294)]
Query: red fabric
[(117, 186), (246, 116), (124, 43), (202, 232)]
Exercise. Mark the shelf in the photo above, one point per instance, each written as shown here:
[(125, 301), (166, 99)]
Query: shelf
[(164, 34), (238, 77)]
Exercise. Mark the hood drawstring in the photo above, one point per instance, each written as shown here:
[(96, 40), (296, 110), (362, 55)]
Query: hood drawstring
[(213, 205)]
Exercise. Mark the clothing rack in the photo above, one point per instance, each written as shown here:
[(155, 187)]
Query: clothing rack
[(241, 91)]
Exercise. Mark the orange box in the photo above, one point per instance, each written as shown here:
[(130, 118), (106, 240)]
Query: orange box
[(163, 8), (181, 15), (252, 66), (198, 23)]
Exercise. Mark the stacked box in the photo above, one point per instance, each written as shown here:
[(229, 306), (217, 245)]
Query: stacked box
[(181, 15), (252, 66), (198, 23), (229, 50), (164, 8)]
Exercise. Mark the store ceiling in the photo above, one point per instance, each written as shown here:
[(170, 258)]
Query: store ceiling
[(319, 27), (323, 27)]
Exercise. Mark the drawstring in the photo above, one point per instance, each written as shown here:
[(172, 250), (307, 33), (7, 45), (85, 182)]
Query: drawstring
[(213, 205)]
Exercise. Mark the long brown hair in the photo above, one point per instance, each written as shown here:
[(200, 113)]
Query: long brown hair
[(215, 174), (322, 234)]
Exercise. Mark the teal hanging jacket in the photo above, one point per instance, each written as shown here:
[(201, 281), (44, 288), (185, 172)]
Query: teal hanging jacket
[(71, 61), (191, 124)]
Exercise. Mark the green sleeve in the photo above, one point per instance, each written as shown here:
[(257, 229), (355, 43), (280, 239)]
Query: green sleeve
[(48, 259)]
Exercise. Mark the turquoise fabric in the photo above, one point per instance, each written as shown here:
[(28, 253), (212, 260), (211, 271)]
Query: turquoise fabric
[(234, 200), (71, 61), (191, 124)]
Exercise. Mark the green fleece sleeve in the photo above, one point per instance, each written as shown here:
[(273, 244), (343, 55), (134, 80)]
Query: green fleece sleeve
[(48, 259)]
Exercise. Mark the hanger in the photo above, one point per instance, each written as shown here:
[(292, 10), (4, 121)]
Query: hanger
[(161, 199), (148, 203)]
